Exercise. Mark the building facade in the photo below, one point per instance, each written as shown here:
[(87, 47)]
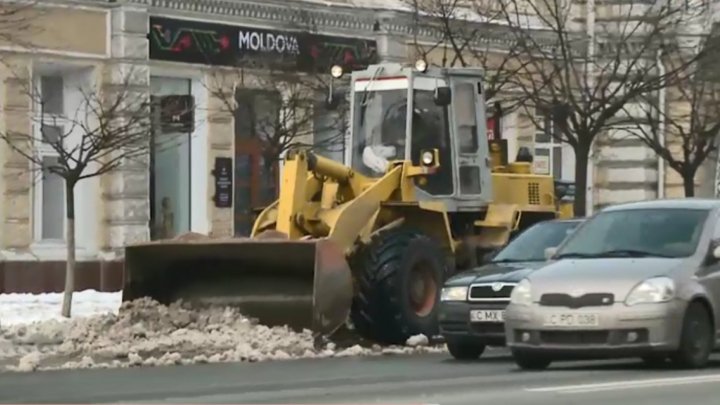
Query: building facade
[(206, 171), (203, 64), (52, 59)]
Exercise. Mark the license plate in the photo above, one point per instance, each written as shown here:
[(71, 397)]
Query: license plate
[(479, 315), (572, 320)]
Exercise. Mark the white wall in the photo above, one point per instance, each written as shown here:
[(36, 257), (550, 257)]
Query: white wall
[(200, 169)]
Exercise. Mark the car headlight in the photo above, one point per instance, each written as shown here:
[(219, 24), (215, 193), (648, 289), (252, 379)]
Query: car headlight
[(521, 293), (454, 294), (652, 290)]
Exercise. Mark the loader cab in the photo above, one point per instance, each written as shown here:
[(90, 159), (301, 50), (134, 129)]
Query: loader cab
[(398, 111)]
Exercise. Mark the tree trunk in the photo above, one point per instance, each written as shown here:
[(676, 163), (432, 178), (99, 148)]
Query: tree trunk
[(581, 170), (689, 183), (70, 243)]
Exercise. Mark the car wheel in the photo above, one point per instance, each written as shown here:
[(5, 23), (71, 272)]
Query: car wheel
[(465, 350), (696, 340), (528, 361)]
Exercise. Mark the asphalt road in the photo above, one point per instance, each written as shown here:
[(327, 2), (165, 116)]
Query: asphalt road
[(426, 379)]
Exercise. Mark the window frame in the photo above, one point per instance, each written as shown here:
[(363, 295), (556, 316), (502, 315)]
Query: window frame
[(39, 121), (552, 145)]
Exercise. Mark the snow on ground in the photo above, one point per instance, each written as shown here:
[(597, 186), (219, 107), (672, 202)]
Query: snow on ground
[(145, 333), (27, 308)]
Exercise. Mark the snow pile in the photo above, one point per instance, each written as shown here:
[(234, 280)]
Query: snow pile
[(417, 340), (144, 332), (27, 308)]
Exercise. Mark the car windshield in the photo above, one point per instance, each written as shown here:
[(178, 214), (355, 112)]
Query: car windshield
[(530, 245), (637, 233)]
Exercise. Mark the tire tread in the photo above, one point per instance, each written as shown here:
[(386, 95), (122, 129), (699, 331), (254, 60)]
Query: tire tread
[(377, 311)]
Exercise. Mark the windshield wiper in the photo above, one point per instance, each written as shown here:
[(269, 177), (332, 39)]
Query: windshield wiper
[(612, 253), (574, 255), (513, 260), (629, 253)]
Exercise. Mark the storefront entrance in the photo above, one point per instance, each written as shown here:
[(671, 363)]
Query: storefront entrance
[(170, 158), (256, 176), (255, 184)]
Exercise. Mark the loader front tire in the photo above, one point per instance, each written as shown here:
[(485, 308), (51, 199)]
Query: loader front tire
[(399, 275)]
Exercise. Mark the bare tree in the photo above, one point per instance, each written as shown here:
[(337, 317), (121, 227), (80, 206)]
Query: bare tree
[(108, 127), (683, 126), (590, 69), (280, 109), (469, 33)]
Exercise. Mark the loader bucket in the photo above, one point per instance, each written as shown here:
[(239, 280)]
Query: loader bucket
[(305, 284)]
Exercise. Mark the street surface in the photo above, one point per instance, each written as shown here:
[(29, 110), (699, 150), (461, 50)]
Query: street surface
[(420, 379)]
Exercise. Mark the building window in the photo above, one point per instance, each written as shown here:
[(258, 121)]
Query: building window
[(52, 94), (258, 114), (50, 124), (548, 159)]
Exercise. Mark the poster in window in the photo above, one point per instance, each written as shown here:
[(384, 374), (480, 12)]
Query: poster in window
[(177, 113)]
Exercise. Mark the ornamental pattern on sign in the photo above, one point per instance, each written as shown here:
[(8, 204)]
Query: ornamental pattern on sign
[(228, 45), (348, 19)]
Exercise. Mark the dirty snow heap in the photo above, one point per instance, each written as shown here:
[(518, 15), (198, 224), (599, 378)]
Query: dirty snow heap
[(144, 332)]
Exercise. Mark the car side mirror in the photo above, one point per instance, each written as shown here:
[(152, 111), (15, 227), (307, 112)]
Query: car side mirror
[(487, 257), (442, 96), (716, 252), (550, 252)]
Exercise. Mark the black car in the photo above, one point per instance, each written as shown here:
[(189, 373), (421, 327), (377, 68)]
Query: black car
[(473, 302)]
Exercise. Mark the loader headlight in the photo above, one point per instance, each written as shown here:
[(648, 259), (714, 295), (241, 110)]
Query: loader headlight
[(454, 294), (421, 65), (428, 158), (336, 71)]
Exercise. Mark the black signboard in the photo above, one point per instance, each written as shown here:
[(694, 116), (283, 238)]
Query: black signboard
[(223, 182), (228, 45)]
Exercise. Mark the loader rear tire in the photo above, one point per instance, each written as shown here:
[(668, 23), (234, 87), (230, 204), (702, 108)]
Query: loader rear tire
[(399, 278)]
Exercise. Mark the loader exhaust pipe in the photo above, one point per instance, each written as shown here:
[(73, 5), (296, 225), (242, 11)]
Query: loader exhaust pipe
[(304, 284)]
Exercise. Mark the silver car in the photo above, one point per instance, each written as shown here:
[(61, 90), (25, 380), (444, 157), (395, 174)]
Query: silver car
[(635, 280)]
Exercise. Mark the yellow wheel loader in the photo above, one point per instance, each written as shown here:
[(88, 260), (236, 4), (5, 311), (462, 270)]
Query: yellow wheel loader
[(366, 245)]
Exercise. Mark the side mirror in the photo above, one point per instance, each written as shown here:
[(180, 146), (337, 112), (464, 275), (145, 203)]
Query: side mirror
[(550, 252), (487, 257), (442, 96)]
